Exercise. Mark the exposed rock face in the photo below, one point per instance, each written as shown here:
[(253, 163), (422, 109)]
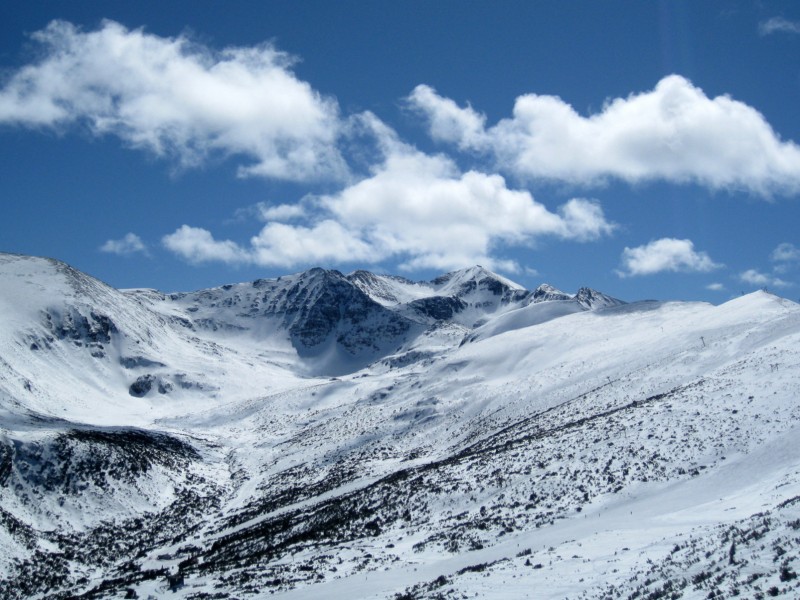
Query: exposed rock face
[(326, 305), (361, 314), (144, 383), (547, 293), (70, 462), (316, 308), (381, 287), (438, 308), (93, 328), (593, 300), (477, 281), (142, 386), (134, 362)]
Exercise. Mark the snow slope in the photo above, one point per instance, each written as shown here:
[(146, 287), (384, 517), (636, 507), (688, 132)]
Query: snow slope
[(364, 436)]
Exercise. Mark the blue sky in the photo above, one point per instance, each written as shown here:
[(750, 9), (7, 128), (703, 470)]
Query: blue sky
[(647, 149)]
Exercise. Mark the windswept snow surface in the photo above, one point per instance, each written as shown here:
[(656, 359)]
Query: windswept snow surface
[(357, 436)]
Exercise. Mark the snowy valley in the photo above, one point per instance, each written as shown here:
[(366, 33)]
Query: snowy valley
[(363, 436)]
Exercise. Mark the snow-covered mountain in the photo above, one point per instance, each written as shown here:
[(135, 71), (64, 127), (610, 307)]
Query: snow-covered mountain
[(323, 435)]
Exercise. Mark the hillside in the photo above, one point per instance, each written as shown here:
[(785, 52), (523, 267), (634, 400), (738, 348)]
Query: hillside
[(365, 436)]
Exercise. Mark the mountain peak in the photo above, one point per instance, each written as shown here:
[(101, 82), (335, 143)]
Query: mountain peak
[(592, 299), (476, 274), (318, 273), (388, 290), (546, 292)]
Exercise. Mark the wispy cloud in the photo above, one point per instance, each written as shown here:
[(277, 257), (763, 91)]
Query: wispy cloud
[(674, 133), (129, 244), (178, 99), (778, 25), (715, 287), (759, 279), (785, 258), (666, 254), (280, 212), (415, 208), (786, 253)]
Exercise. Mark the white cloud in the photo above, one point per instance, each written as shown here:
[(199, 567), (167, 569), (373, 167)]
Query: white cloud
[(673, 133), (449, 122), (328, 241), (786, 252), (197, 245), (127, 245), (178, 99), (778, 24), (415, 208), (281, 212), (666, 254), (754, 277), (759, 279), (423, 208), (715, 287), (531, 272)]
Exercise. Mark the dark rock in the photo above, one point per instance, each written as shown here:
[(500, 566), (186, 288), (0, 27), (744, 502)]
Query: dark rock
[(438, 307), (132, 362), (142, 386)]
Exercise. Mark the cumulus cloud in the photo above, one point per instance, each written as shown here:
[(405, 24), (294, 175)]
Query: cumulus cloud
[(418, 209), (715, 287), (786, 253), (449, 122), (759, 279), (778, 25), (785, 257), (197, 245), (127, 245), (666, 254), (327, 241), (178, 99), (673, 133)]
